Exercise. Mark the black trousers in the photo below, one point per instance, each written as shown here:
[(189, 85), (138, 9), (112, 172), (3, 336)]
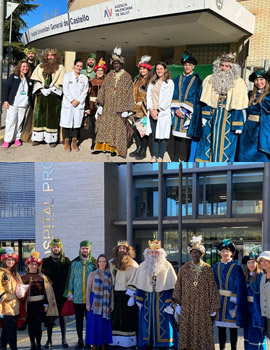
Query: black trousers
[(222, 337), (9, 333), (140, 141), (34, 328), (62, 322), (70, 132), (80, 313), (92, 122), (181, 148)]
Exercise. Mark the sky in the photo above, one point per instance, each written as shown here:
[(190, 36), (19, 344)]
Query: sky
[(47, 9)]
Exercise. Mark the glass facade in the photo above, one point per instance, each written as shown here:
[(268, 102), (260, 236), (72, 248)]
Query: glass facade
[(146, 197), (212, 194), (247, 192), (172, 196)]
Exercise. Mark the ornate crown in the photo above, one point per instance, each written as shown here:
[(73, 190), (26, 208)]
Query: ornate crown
[(154, 245), (228, 57), (124, 243)]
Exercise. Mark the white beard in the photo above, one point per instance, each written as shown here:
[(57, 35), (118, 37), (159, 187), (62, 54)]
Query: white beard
[(223, 81), (154, 265)]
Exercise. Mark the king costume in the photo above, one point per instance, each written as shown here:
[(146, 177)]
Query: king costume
[(254, 145), (48, 91), (223, 112), (254, 334), (116, 99), (124, 317), (154, 292), (197, 295), (186, 97)]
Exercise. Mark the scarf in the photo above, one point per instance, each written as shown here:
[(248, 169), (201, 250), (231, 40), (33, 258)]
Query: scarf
[(102, 292)]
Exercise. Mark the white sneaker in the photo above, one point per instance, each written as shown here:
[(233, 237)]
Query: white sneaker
[(154, 159), (160, 159)]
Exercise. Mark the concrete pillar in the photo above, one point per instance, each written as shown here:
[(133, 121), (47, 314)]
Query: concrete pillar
[(178, 52), (69, 60), (153, 51), (129, 204)]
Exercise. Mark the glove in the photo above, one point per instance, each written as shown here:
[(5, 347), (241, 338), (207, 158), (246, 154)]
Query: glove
[(139, 305), (178, 309), (204, 121), (124, 115), (169, 310), (131, 301), (99, 110), (238, 132), (45, 92), (213, 314), (4, 277)]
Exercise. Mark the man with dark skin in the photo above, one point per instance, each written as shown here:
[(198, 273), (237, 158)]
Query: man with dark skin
[(196, 294)]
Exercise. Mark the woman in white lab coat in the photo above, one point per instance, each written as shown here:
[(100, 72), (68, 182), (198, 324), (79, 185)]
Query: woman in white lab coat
[(159, 98), (75, 88)]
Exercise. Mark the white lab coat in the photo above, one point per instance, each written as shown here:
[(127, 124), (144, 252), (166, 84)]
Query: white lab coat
[(164, 116), (73, 89)]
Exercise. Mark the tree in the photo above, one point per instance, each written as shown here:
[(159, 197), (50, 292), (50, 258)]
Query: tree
[(18, 25)]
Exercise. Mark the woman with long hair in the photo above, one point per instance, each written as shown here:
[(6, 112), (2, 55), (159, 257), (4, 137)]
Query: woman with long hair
[(40, 299), (254, 143), (264, 261), (254, 334), (139, 94), (99, 305), (17, 97), (159, 98), (91, 101), (9, 281)]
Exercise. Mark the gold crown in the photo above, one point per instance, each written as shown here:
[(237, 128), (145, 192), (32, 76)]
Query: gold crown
[(155, 244), (124, 243), (228, 57)]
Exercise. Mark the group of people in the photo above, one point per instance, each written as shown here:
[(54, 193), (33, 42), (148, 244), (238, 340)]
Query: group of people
[(217, 120), (147, 305)]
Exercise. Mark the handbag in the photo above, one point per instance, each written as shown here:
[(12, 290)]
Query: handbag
[(68, 308), (141, 126)]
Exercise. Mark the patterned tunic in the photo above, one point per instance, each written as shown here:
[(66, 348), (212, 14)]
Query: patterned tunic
[(116, 97), (198, 297)]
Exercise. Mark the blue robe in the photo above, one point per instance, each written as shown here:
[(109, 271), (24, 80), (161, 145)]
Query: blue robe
[(219, 141), (254, 145), (156, 327), (230, 278), (187, 91), (254, 335)]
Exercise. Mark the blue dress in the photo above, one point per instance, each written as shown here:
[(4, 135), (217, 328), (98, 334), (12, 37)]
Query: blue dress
[(254, 335), (219, 140), (232, 289), (254, 144), (98, 329)]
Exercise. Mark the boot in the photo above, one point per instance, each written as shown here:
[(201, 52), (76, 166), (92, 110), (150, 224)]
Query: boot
[(48, 344), (141, 154), (134, 153), (67, 145), (74, 146), (79, 345), (64, 343)]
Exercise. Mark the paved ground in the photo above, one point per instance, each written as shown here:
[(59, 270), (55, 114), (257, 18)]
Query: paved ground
[(24, 343), (44, 153)]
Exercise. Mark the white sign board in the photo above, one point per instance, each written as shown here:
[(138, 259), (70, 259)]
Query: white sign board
[(11, 6)]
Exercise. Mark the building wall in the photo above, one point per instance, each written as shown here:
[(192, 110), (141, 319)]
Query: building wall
[(259, 45), (70, 206), (79, 4), (115, 204)]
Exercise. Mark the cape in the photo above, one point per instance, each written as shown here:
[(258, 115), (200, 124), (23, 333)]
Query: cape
[(57, 77), (165, 280), (236, 97)]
